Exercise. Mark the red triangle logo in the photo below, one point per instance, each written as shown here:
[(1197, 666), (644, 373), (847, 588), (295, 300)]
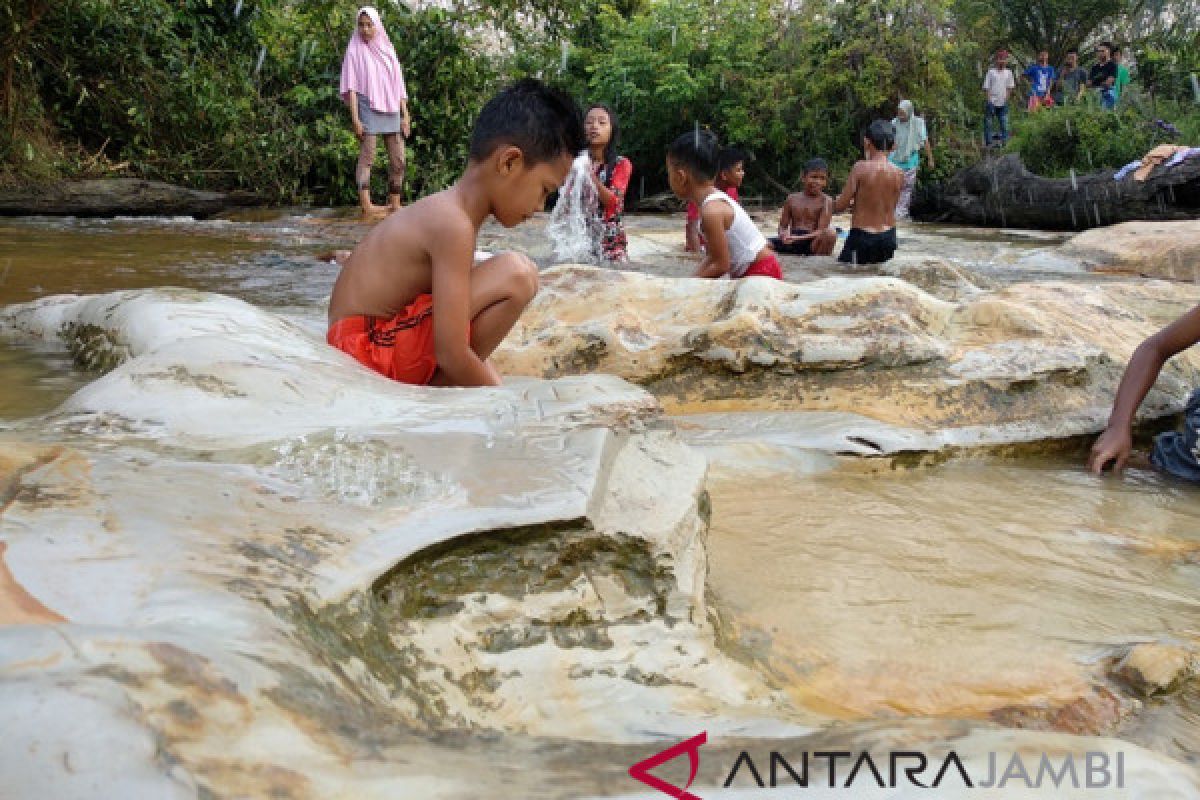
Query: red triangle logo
[(641, 770)]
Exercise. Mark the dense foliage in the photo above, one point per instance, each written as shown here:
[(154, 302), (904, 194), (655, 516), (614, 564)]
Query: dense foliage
[(243, 93), (1084, 138), (787, 86), (238, 95)]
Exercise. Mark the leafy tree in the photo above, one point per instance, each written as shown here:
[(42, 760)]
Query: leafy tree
[(244, 95), (789, 86), (18, 20)]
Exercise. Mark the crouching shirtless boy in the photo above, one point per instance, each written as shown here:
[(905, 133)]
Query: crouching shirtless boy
[(409, 303)]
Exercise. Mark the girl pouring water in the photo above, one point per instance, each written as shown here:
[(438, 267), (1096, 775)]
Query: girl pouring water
[(610, 176)]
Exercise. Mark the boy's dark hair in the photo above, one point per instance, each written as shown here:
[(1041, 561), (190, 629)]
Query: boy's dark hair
[(730, 157), (1108, 46), (542, 121), (816, 165), (610, 149), (1073, 50), (697, 152), (881, 134), (1115, 50)]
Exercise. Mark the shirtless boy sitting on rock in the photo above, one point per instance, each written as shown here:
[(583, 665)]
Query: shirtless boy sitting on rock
[(873, 189), (806, 222), (409, 302)]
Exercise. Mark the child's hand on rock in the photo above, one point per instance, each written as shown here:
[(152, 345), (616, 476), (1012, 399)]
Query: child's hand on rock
[(1113, 446)]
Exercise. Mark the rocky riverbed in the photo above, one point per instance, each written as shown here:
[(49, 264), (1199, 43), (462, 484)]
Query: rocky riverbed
[(843, 512)]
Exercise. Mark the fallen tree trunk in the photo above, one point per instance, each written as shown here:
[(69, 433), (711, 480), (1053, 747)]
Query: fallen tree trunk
[(661, 202), (112, 197), (1000, 192)]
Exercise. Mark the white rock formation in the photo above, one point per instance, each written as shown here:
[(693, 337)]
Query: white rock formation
[(1168, 250), (1023, 363), (213, 518)]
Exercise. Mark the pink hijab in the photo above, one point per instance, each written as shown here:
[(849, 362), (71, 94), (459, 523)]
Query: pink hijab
[(372, 69)]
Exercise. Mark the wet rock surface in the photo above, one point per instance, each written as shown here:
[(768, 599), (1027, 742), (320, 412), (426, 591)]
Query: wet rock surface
[(295, 482), (1157, 668), (238, 565), (1168, 250), (1024, 362)]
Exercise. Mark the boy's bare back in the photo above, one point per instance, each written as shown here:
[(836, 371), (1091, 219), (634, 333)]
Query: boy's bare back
[(394, 263), (410, 303), (875, 186)]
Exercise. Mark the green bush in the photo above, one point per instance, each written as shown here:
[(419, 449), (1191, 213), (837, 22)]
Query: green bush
[(191, 92), (788, 87), (1052, 142), (187, 91)]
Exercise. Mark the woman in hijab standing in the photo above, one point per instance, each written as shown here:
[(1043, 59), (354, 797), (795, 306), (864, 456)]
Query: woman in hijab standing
[(372, 86), (910, 138)]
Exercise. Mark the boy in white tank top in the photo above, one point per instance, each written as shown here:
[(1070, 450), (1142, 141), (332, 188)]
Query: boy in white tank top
[(735, 245)]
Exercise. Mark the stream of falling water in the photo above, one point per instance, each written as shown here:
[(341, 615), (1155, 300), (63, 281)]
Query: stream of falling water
[(574, 227)]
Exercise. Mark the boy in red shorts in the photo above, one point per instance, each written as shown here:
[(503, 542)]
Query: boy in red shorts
[(735, 245), (409, 303)]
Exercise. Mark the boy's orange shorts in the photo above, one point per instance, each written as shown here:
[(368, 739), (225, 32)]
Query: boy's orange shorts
[(400, 348)]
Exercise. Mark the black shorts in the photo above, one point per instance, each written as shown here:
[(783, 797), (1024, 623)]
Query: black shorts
[(1175, 451), (803, 248), (862, 247)]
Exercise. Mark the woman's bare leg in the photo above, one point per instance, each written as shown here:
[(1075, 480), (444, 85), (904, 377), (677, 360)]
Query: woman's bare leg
[(362, 175), (396, 167)]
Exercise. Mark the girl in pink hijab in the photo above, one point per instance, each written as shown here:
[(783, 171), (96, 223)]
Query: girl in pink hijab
[(373, 87)]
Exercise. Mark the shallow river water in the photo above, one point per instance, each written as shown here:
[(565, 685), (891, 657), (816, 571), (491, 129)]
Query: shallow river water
[(894, 607)]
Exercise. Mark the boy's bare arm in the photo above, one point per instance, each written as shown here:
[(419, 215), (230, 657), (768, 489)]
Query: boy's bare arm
[(826, 218), (846, 198), (452, 254), (352, 102), (691, 235), (785, 220), (1147, 361), (714, 219)]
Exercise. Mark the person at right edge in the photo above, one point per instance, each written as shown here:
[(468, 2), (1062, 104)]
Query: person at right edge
[(1175, 452)]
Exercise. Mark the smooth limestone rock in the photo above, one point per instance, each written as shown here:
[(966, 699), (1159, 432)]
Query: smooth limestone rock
[(1023, 363), (222, 518), (1169, 250), (1154, 668), (942, 279)]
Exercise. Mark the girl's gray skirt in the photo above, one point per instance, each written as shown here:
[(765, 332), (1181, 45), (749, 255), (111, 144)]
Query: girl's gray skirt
[(377, 122)]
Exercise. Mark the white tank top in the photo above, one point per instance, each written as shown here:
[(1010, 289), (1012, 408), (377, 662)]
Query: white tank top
[(745, 239)]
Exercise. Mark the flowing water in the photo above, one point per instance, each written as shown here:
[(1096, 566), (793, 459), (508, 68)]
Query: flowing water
[(574, 227), (964, 588), (932, 607)]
